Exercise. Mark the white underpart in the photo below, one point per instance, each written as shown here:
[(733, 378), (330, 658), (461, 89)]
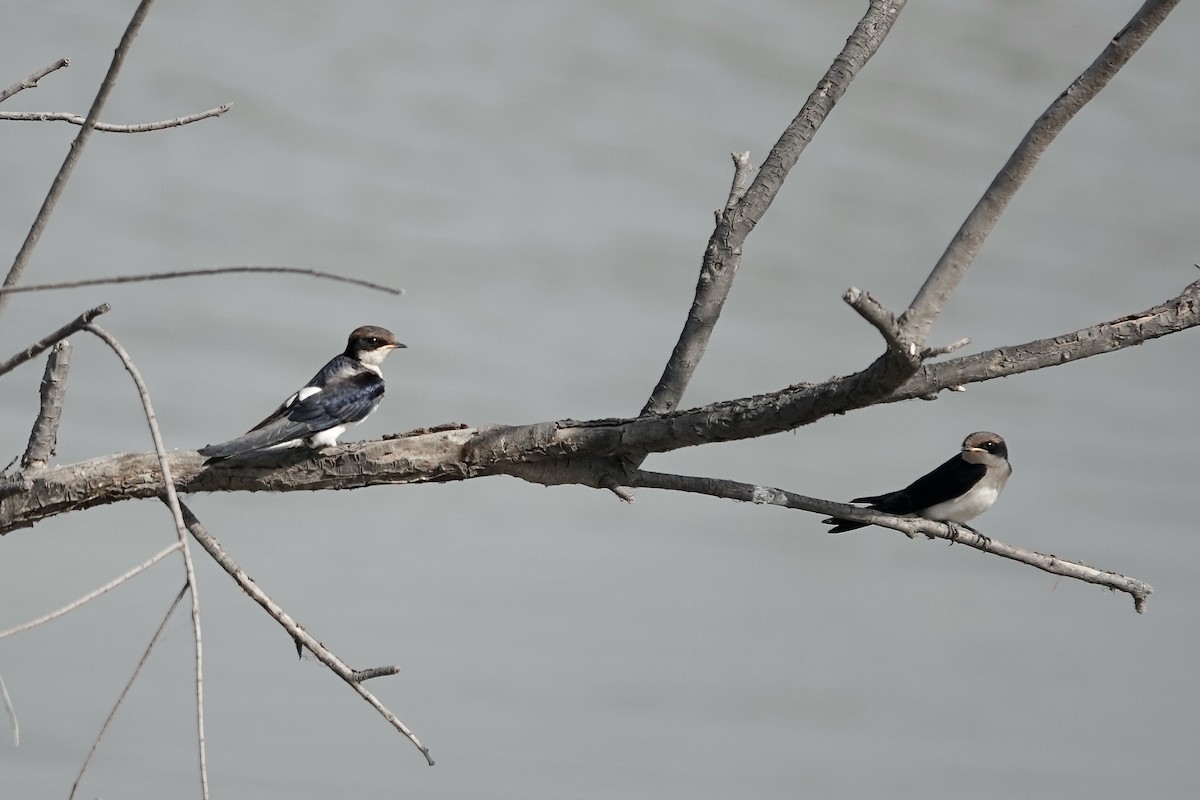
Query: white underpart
[(966, 507), (327, 437)]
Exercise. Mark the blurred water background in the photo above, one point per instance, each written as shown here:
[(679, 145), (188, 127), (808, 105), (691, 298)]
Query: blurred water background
[(540, 179)]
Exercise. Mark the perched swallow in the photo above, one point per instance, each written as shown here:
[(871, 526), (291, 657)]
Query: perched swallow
[(343, 393), (956, 492)]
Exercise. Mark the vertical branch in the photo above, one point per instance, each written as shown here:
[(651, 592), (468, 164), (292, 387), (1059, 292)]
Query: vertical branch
[(43, 439), (73, 155), (172, 501), (918, 320), (723, 255), (12, 713)]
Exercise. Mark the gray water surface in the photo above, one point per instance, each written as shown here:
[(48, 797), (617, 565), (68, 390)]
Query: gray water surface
[(540, 178)]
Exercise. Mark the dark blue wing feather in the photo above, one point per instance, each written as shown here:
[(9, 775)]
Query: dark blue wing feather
[(348, 394), (949, 480)]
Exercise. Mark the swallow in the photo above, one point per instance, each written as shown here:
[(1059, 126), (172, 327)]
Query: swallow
[(956, 492), (343, 393)]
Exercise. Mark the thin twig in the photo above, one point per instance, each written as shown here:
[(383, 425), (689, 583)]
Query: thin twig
[(114, 583), (36, 349), (105, 127), (12, 714), (723, 254), (945, 349), (351, 676), (112, 714), (191, 273), (64, 172), (935, 292), (43, 439), (172, 501), (910, 526), (33, 79)]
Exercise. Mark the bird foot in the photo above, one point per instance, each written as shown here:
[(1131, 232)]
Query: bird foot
[(956, 529)]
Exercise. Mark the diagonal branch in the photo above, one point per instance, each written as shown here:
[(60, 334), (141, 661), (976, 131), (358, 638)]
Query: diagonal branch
[(723, 254), (112, 714), (68, 166), (927, 305), (1172, 316), (351, 676), (32, 81), (36, 349), (910, 526), (105, 127), (114, 583)]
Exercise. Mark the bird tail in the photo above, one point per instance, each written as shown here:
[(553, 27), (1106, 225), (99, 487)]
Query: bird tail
[(842, 525), (260, 439)]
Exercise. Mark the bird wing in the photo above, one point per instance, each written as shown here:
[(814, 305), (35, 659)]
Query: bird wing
[(949, 480), (311, 410)]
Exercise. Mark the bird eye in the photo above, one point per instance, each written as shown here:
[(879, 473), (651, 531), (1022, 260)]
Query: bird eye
[(373, 340)]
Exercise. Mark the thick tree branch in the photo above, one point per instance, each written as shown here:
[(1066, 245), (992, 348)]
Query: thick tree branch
[(909, 526), (567, 451), (923, 311), (43, 439), (1177, 314), (105, 127), (724, 251)]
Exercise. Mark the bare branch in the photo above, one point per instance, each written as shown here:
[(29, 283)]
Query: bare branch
[(941, 350), (114, 583), (32, 81), (353, 677), (745, 492), (741, 174), (875, 313), (723, 254), (105, 127), (12, 713), (1172, 316), (927, 305), (566, 451), (36, 349), (172, 502), (112, 714), (43, 439), (192, 273), (68, 166)]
